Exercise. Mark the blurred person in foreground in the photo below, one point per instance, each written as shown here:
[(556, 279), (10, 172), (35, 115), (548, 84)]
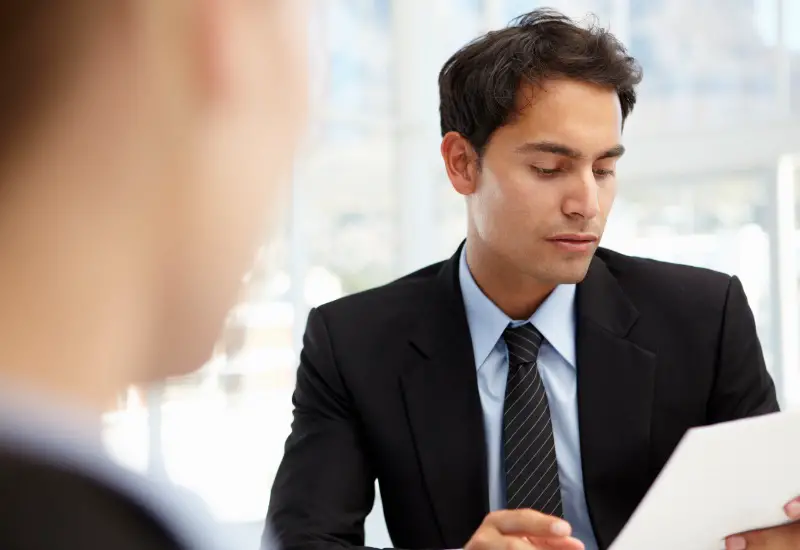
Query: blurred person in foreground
[(142, 143), (532, 376)]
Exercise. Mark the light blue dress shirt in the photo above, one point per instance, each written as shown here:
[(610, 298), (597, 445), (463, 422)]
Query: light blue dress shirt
[(555, 319)]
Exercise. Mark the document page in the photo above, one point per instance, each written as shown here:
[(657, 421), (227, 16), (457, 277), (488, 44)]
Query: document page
[(721, 480)]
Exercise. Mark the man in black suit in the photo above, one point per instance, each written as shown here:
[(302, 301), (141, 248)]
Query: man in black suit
[(532, 376), (141, 142)]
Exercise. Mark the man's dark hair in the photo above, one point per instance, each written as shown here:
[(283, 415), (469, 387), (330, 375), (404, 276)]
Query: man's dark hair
[(479, 84)]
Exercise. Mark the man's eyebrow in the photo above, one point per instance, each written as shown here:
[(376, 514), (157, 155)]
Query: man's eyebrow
[(565, 151), (615, 152)]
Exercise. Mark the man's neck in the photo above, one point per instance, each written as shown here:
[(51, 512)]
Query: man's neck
[(73, 315), (515, 293)]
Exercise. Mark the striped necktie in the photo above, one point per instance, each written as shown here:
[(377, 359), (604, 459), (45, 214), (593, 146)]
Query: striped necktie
[(530, 452)]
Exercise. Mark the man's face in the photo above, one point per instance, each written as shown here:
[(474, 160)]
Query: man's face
[(241, 151), (548, 180)]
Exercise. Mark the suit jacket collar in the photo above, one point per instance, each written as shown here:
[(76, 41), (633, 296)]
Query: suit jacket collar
[(615, 391), (440, 392), (616, 382), (602, 301)]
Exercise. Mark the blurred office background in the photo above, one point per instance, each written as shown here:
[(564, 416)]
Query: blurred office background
[(709, 180)]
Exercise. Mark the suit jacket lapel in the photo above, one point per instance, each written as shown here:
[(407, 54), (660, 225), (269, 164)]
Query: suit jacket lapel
[(616, 381), (441, 396)]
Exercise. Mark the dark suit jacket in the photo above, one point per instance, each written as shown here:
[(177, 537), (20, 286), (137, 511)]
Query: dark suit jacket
[(47, 507), (387, 390)]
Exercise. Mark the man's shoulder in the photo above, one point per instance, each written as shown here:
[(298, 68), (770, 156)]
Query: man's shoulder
[(407, 293), (47, 501), (665, 281), (642, 279), (632, 266), (55, 456)]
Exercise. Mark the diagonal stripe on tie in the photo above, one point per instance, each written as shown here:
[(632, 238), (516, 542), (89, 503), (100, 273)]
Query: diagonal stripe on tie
[(523, 388), (518, 395), (530, 453)]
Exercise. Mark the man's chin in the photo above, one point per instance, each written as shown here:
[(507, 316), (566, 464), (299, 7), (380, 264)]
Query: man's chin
[(572, 272)]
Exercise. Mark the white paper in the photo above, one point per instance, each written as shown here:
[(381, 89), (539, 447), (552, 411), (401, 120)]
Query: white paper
[(721, 480)]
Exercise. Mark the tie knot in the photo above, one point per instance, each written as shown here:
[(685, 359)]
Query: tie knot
[(523, 344)]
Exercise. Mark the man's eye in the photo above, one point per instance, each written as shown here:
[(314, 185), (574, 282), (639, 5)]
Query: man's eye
[(546, 171), (603, 173)]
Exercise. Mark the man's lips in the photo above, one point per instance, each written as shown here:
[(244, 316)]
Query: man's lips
[(574, 237), (574, 242)]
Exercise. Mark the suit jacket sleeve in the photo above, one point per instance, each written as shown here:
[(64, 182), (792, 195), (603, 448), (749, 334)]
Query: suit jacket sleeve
[(325, 485), (742, 385)]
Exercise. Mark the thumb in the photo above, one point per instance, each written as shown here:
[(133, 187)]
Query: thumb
[(792, 509)]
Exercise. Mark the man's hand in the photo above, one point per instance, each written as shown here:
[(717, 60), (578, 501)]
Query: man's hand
[(784, 537), (523, 530)]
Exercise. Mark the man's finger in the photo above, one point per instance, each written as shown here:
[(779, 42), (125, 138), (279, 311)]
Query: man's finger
[(528, 523), (782, 537), (556, 543), (748, 540), (793, 509), (736, 542)]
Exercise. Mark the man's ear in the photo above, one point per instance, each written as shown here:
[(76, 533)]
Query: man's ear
[(212, 46), (461, 162)]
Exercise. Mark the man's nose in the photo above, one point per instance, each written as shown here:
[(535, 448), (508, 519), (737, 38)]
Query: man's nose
[(583, 198)]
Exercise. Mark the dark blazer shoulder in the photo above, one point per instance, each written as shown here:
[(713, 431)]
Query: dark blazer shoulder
[(373, 327), (666, 284), (387, 302), (47, 506)]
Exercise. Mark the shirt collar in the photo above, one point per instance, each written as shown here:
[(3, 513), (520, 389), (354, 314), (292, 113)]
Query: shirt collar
[(555, 318), (30, 414)]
